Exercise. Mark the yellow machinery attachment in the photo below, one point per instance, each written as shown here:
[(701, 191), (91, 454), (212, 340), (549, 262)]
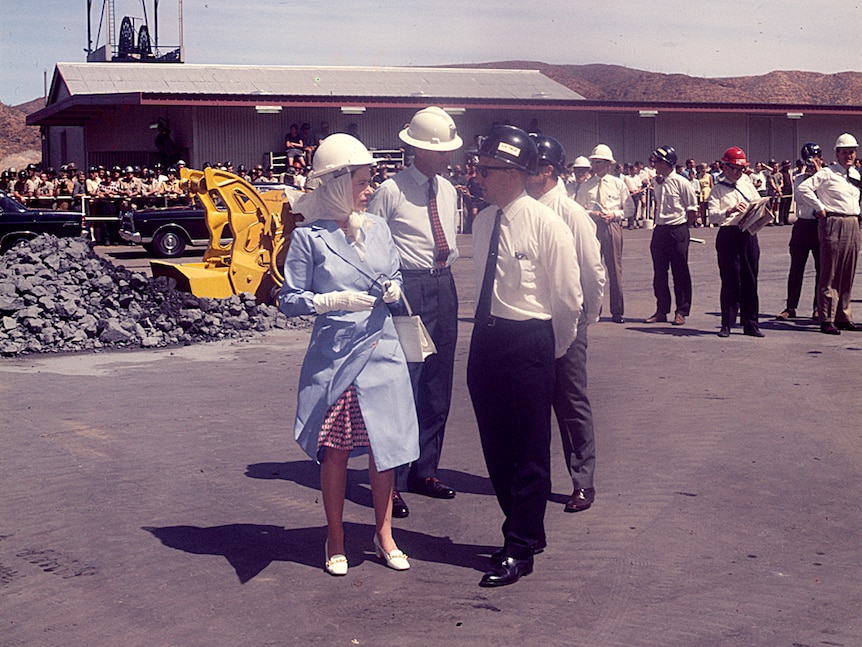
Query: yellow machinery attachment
[(259, 225)]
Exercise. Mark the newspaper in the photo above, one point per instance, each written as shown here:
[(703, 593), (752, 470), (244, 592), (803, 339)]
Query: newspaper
[(756, 216)]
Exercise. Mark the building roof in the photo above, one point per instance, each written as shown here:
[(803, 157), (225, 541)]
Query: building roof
[(308, 81), (79, 88)]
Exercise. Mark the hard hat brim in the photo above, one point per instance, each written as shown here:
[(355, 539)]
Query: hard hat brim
[(442, 147)]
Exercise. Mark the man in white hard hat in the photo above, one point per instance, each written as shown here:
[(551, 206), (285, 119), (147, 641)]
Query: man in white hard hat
[(835, 192), (421, 208), (607, 200), (580, 173)]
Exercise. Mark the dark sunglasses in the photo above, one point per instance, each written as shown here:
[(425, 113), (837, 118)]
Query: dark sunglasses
[(483, 170)]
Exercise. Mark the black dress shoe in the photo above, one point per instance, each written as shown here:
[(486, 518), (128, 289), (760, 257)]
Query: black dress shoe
[(847, 325), (581, 499), (752, 331), (499, 555), (432, 487), (508, 571), (617, 319), (724, 332), (829, 328), (399, 508)]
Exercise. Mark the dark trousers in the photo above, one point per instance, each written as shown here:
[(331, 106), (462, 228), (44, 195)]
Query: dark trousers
[(738, 261), (510, 375), (803, 239), (669, 250), (610, 235), (574, 413), (435, 299)]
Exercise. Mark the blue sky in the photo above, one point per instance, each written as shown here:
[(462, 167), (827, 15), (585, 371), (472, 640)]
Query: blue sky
[(732, 38)]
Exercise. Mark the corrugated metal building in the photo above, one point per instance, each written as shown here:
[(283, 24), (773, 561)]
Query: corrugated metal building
[(104, 113)]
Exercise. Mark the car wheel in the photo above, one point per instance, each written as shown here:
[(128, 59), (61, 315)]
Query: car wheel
[(17, 241), (168, 244)]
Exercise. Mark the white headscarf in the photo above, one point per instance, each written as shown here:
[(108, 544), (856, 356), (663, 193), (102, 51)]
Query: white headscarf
[(333, 200)]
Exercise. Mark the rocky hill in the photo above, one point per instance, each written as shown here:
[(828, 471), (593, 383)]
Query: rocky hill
[(615, 83), (17, 138)]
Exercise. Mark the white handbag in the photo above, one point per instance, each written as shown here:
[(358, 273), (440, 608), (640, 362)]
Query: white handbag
[(413, 335)]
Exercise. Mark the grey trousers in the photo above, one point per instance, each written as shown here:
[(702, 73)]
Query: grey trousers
[(574, 413)]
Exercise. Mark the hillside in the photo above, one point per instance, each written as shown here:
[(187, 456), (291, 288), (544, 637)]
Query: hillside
[(615, 83), (15, 136)]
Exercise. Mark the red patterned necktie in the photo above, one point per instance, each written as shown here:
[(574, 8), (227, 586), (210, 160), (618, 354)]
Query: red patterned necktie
[(440, 245)]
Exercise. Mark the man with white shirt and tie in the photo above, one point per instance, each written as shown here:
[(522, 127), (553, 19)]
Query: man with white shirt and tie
[(420, 207), (571, 403), (834, 191), (529, 301), (608, 201)]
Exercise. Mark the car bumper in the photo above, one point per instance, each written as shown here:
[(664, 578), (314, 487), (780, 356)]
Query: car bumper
[(130, 236)]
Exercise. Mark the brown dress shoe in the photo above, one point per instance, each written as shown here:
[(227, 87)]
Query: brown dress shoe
[(656, 318), (829, 328), (786, 314), (678, 319), (581, 499)]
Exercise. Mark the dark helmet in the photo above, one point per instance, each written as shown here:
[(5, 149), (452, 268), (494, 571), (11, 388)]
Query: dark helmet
[(666, 154), (809, 151), (129, 169), (510, 145), (22, 174), (550, 151)]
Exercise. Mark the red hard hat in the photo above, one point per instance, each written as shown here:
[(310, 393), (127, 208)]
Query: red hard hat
[(735, 155)]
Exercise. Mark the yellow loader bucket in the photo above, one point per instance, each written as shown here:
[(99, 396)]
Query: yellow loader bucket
[(197, 278)]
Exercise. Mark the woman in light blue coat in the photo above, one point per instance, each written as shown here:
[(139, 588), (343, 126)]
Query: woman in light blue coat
[(354, 388)]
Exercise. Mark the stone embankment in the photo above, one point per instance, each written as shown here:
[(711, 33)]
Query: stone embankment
[(57, 295)]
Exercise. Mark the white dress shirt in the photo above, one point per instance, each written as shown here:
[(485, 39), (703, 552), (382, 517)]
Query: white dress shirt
[(614, 199), (674, 199), (587, 247), (537, 275), (805, 207), (725, 196), (403, 202), (830, 190)]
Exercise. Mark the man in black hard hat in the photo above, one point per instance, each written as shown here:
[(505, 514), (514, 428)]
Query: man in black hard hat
[(804, 238), (530, 298), (571, 403), (676, 210)]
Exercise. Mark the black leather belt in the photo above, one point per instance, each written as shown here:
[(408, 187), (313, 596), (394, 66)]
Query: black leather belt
[(835, 214), (433, 271)]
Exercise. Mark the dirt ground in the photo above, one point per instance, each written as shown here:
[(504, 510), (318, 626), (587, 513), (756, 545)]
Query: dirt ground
[(158, 498)]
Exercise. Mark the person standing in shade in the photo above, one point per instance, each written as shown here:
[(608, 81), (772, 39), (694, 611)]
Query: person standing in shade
[(420, 206), (528, 283), (676, 210), (571, 403), (804, 238), (738, 251), (834, 191), (608, 201)]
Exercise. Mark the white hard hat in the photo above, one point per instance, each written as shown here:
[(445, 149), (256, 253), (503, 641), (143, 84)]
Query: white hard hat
[(338, 152), (602, 152), (432, 129), (581, 162), (846, 141)]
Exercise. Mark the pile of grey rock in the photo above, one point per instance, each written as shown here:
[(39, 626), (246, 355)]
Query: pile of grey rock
[(57, 295)]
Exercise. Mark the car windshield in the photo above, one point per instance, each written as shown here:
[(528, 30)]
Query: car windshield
[(10, 205)]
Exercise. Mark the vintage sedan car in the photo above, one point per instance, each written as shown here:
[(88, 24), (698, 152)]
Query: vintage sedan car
[(165, 232), (18, 224)]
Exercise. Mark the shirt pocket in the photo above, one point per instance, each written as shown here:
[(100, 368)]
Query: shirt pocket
[(526, 270)]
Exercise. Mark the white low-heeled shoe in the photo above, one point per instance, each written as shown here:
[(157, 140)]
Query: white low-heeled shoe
[(395, 560), (335, 565)]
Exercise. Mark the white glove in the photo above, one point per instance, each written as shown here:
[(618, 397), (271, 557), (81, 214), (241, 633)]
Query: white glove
[(343, 300), (391, 292)]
